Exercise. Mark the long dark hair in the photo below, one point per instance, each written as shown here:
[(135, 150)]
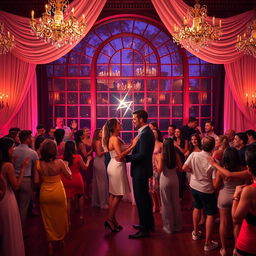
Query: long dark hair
[(48, 151), (70, 149), (199, 143), (108, 130), (59, 135), (78, 136), (231, 160), (95, 137), (159, 134), (250, 158), (182, 139), (5, 144), (169, 153)]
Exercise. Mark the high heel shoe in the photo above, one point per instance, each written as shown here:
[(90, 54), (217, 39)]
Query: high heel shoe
[(107, 225)]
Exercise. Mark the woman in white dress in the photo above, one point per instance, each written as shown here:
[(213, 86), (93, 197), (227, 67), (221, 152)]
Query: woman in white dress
[(117, 173), (10, 225)]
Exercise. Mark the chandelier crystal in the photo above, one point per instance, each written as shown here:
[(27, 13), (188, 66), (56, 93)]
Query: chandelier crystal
[(56, 28), (6, 42), (247, 42), (201, 33)]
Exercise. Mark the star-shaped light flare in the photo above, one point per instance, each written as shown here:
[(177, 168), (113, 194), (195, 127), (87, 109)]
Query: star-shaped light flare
[(124, 104)]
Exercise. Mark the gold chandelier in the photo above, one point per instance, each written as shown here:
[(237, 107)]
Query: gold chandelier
[(56, 29), (247, 42), (200, 33), (6, 42)]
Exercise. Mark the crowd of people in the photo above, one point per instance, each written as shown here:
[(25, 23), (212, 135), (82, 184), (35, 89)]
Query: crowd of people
[(65, 167)]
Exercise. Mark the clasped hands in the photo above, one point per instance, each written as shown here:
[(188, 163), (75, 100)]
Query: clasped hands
[(120, 158)]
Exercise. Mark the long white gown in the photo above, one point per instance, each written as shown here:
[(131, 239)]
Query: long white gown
[(11, 239), (117, 176)]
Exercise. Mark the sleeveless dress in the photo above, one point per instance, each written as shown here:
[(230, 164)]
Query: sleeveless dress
[(75, 186), (154, 180), (117, 175), (226, 193), (169, 193), (99, 183), (247, 235), (10, 225), (53, 206)]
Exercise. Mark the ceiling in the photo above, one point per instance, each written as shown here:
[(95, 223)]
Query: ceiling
[(216, 8)]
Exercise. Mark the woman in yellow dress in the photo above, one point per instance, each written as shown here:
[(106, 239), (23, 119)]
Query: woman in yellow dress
[(53, 202)]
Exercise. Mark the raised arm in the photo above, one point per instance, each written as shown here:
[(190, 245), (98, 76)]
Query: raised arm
[(98, 148), (142, 150), (65, 169), (244, 175), (10, 174)]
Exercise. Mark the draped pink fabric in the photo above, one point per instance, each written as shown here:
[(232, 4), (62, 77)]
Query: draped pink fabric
[(27, 115), (16, 78), (234, 117), (240, 79), (240, 69), (219, 52), (18, 68), (30, 49)]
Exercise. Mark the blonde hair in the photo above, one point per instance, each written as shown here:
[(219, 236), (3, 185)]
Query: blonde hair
[(107, 131)]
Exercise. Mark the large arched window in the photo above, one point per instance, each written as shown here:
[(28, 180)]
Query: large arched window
[(132, 58)]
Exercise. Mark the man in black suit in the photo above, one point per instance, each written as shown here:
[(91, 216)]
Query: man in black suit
[(141, 171)]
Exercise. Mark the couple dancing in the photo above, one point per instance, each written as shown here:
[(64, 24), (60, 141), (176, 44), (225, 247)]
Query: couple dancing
[(142, 148)]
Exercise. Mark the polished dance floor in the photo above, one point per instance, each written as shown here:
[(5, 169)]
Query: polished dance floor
[(91, 239)]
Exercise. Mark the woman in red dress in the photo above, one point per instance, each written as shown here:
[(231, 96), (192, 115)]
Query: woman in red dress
[(75, 186)]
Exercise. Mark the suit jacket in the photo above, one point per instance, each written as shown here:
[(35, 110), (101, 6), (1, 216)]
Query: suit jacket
[(141, 158)]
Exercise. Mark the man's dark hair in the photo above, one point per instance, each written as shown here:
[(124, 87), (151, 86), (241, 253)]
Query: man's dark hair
[(208, 144), (192, 119), (173, 126), (141, 113), (242, 136), (40, 126), (251, 133), (24, 134), (210, 122), (14, 129)]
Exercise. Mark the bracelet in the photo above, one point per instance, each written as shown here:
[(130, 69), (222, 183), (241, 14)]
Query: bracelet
[(235, 198)]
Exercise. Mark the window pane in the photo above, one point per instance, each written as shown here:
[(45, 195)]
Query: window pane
[(206, 111), (85, 98), (177, 98), (194, 85), (59, 111), (85, 111), (164, 111), (85, 123), (194, 70), (72, 98), (177, 111), (152, 110), (102, 111), (194, 111), (72, 85), (72, 111), (194, 98), (177, 85), (85, 84)]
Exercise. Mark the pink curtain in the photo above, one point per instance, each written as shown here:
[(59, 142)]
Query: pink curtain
[(240, 69), (18, 67), (240, 80), (30, 49), (234, 117), (27, 115), (220, 52), (16, 78)]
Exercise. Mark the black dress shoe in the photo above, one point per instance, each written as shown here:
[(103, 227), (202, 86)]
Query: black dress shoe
[(139, 227), (136, 226), (139, 234)]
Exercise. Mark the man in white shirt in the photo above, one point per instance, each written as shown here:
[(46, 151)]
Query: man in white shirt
[(60, 125), (202, 174)]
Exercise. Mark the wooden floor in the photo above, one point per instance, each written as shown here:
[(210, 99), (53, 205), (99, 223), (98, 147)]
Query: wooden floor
[(91, 239)]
